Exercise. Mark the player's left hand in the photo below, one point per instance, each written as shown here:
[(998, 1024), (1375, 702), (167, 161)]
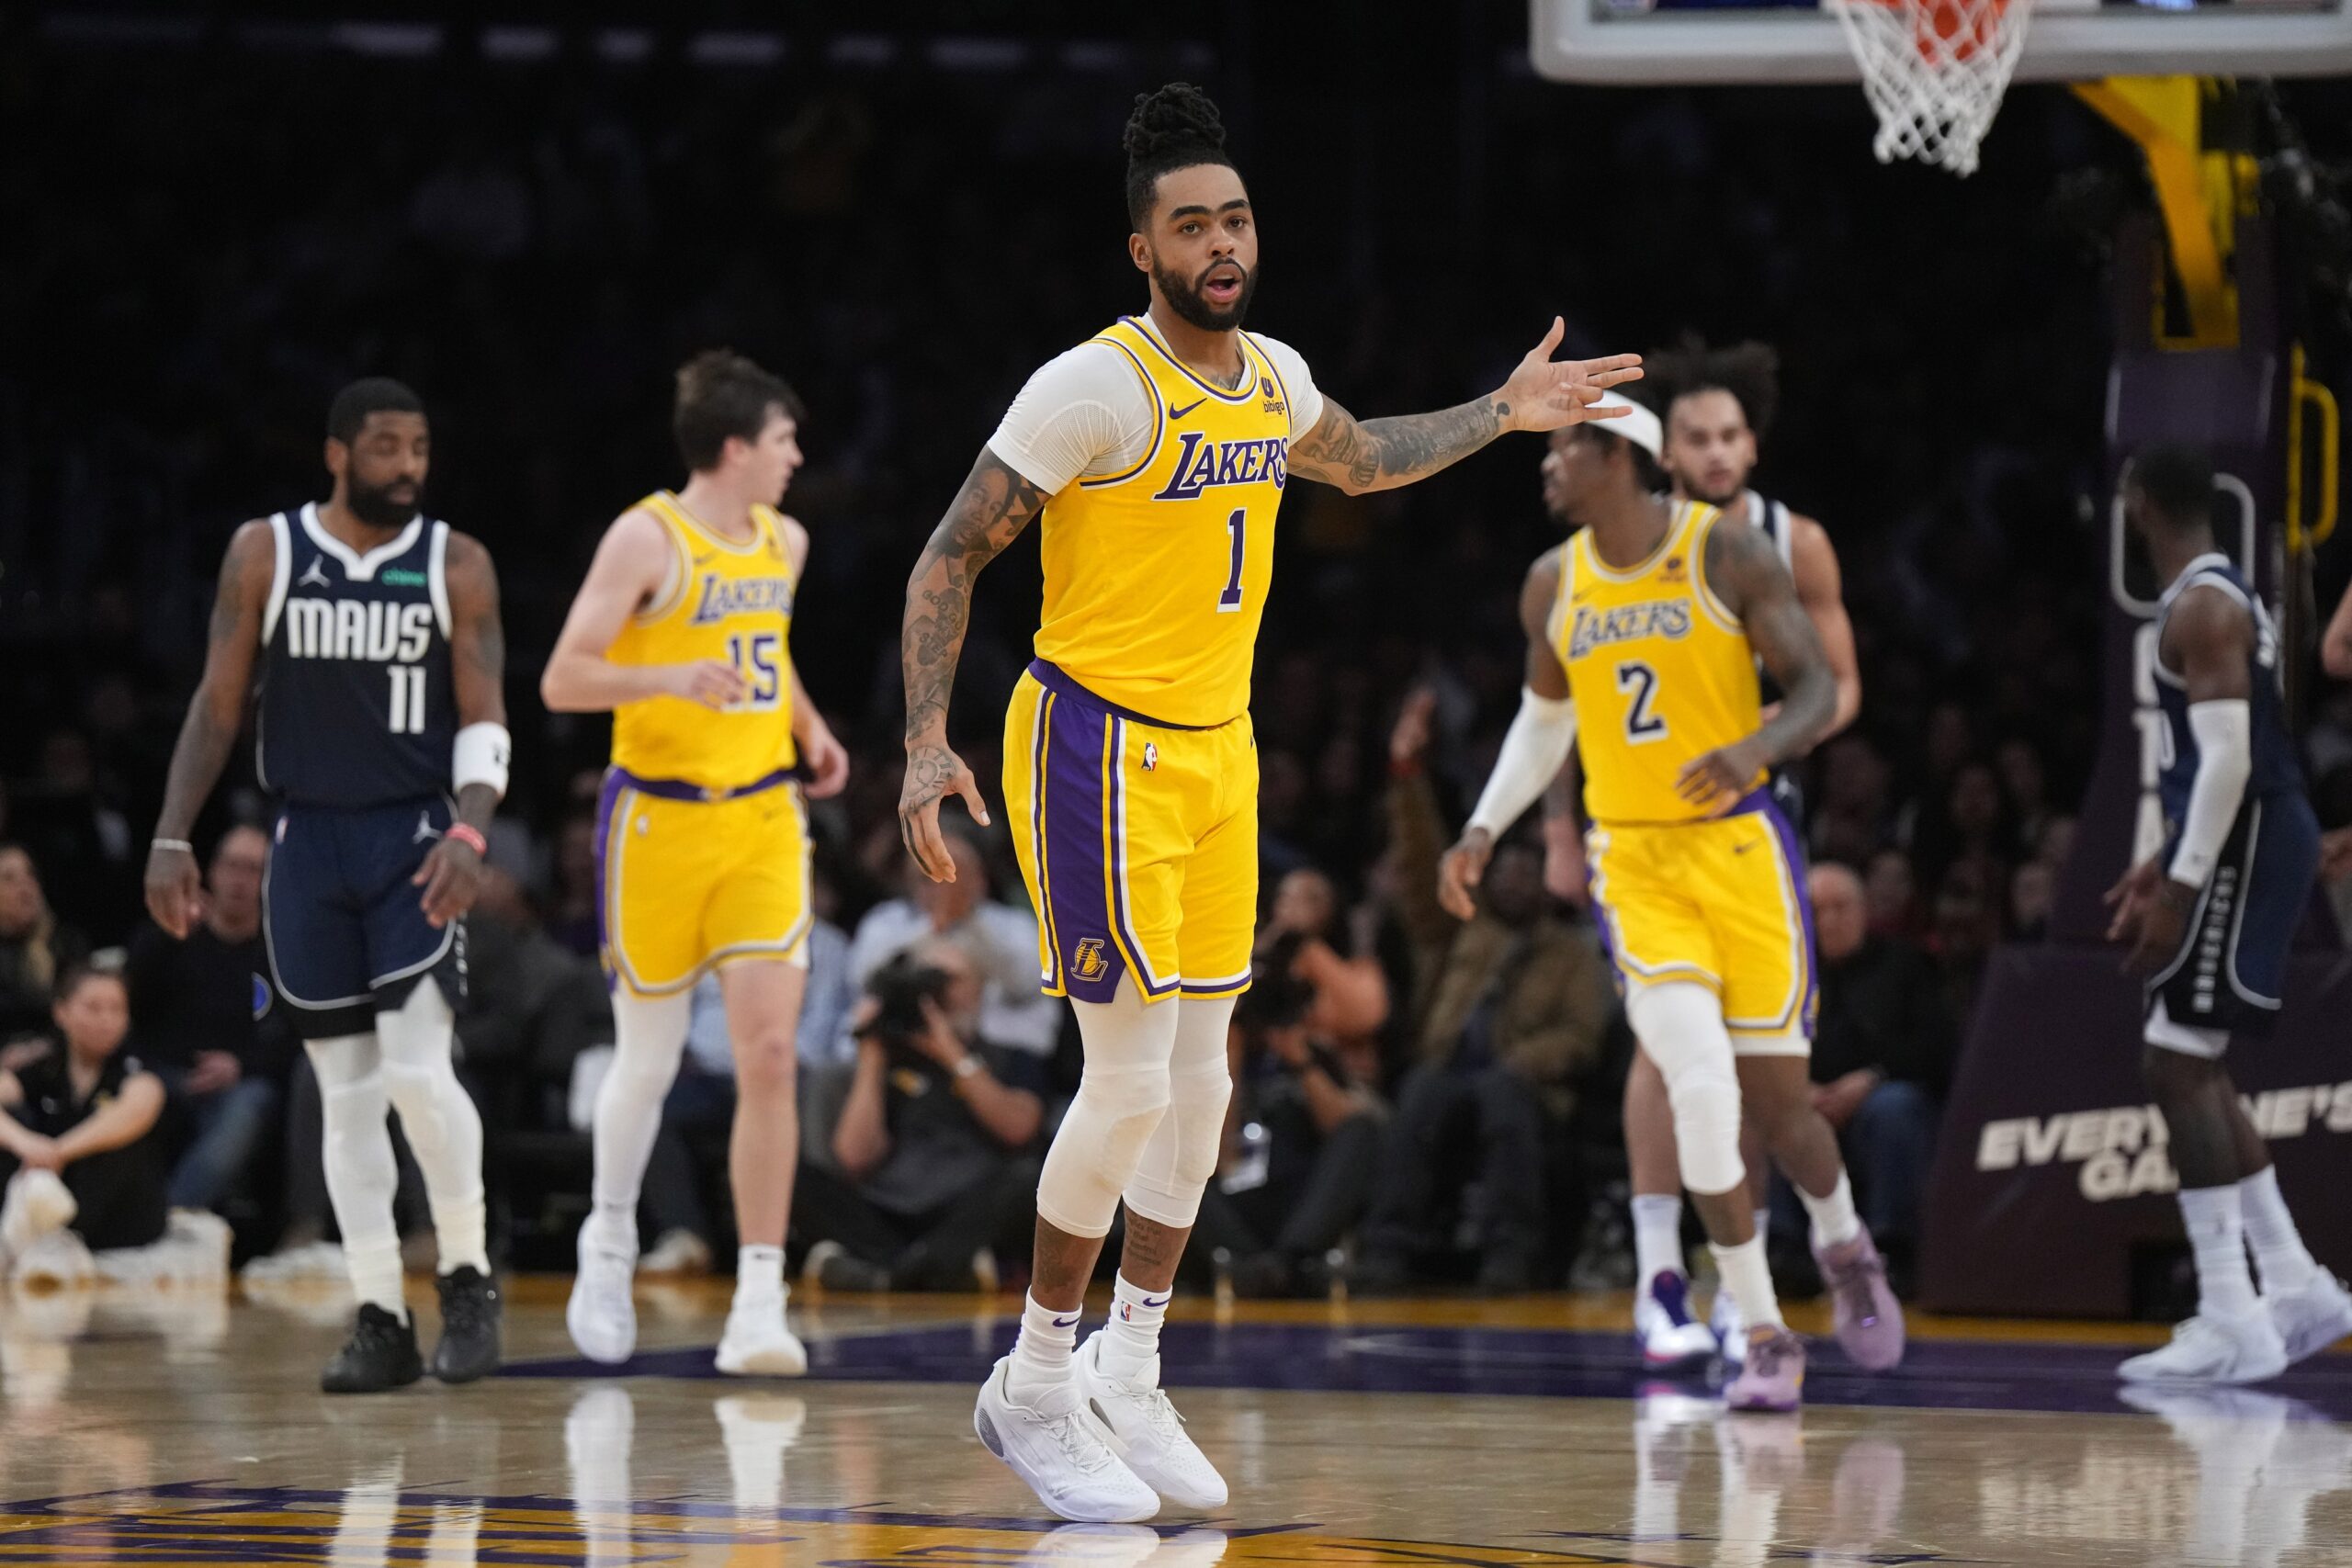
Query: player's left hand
[(827, 761), (2164, 916), (451, 877), (1547, 394), (2128, 896), (1726, 770), (2335, 854)]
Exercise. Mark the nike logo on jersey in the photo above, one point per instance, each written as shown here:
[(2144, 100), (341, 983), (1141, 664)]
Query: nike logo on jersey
[(314, 575), (705, 560), (1175, 413), (1743, 849)]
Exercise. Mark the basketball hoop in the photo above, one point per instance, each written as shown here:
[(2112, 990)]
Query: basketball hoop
[(1935, 71)]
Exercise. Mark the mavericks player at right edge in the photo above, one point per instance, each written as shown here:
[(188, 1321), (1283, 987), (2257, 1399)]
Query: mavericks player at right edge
[(2209, 918)]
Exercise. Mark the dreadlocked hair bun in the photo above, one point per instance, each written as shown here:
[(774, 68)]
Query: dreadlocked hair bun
[(1178, 120)]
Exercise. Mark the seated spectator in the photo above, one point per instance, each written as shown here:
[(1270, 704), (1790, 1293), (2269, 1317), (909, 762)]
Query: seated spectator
[(936, 1182), (1301, 1144), (999, 940), (1892, 894), (1882, 1060), (1519, 1005), (1348, 996), (34, 951), (208, 1025), (85, 1115), (2031, 889)]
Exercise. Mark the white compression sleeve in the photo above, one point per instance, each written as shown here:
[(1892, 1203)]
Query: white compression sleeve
[(1181, 1154), (1531, 759), (1122, 1094), (361, 1175), (443, 1126), (2224, 733), (650, 1037)]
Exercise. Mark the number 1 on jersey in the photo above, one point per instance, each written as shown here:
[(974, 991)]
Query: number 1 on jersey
[(1641, 724), (407, 714), (1238, 526)]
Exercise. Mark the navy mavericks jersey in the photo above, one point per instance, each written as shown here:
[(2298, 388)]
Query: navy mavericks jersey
[(357, 704), (1770, 518), (2276, 772)]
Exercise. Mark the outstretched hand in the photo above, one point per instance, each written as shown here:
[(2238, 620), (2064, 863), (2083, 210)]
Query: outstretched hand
[(1547, 394)]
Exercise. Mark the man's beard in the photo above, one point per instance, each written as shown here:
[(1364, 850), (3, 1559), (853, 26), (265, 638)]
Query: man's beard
[(375, 506), (1698, 492), (1193, 307)]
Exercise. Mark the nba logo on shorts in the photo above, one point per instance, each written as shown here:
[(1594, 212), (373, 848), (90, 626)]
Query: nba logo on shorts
[(1150, 756), (1087, 962)]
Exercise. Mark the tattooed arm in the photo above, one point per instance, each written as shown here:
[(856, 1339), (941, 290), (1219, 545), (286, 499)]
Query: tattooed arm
[(989, 512), (1381, 454), (1746, 573), (218, 712)]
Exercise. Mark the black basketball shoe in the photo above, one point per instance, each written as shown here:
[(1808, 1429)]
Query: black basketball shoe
[(379, 1355), (471, 1312)]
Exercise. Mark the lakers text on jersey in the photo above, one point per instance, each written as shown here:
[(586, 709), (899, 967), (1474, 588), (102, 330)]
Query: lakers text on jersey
[(1130, 766), (702, 844), (357, 718), (1662, 673)]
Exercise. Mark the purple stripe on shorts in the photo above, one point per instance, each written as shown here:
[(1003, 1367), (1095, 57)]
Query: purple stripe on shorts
[(1761, 803), (1069, 851), (607, 799)]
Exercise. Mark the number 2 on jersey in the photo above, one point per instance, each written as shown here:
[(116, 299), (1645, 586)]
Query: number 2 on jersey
[(1238, 526), (1641, 724)]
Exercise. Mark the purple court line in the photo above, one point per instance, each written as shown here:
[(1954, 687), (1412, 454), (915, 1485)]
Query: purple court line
[(1552, 1363)]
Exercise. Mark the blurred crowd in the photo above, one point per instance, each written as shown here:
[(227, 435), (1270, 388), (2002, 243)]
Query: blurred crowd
[(536, 246)]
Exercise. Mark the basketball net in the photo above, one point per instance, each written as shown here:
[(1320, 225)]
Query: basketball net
[(1935, 71)]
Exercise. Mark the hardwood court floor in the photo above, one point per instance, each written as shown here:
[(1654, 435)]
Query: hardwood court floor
[(177, 1430)]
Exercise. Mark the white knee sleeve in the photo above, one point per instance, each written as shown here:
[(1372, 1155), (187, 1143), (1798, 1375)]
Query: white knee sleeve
[(358, 1153), (649, 1041), (1182, 1155), (1681, 1025), (1122, 1096), (442, 1125)]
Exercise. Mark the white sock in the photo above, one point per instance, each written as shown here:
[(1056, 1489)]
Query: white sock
[(1132, 1337), (1041, 1356), (1834, 1221), (2278, 1249), (649, 1041), (1748, 1277), (1764, 1226), (443, 1126), (759, 1272), (2214, 1219), (1657, 1236)]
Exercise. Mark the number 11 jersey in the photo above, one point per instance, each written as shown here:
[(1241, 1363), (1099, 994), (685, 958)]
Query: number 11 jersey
[(357, 704)]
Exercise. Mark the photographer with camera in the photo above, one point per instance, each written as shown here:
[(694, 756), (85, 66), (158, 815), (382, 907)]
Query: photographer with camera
[(932, 1142), (1302, 1140)]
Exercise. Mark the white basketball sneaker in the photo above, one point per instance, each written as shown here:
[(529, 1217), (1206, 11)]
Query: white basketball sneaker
[(1061, 1452), (2214, 1348), (1730, 1327), (601, 1314), (2312, 1316), (758, 1343), (1148, 1432), (1670, 1338)]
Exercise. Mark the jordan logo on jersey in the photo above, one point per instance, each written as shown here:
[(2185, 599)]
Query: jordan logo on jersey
[(1202, 465), (1624, 623), (315, 574)]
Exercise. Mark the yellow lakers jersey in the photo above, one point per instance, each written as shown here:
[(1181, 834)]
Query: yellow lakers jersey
[(1660, 671), (728, 600), (1155, 577)]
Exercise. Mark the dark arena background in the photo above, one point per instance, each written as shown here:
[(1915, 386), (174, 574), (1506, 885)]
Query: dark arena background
[(1404, 1326)]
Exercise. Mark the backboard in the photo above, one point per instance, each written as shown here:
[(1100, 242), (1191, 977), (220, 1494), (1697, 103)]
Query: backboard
[(1724, 41)]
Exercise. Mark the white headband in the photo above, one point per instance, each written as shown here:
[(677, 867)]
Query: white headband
[(1636, 424)]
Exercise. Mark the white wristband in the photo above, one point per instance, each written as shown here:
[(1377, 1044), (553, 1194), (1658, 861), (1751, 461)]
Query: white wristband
[(2224, 732), (479, 756), (1531, 759)]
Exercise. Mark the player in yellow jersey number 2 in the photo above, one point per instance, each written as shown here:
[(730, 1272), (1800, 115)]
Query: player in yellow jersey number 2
[(1156, 454), (1643, 636), (702, 851)]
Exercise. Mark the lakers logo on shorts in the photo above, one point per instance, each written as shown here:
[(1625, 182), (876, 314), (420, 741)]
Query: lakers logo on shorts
[(1087, 962)]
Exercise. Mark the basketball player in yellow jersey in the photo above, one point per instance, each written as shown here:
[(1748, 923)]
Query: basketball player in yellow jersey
[(701, 852), (1643, 633), (1157, 453)]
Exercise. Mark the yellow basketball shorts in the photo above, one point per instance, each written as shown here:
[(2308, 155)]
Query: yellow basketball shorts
[(1722, 902), (1138, 840), (685, 882)]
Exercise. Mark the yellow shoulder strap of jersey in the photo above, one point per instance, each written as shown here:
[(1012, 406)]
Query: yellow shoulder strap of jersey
[(1701, 523), (665, 511), (772, 524)]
